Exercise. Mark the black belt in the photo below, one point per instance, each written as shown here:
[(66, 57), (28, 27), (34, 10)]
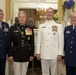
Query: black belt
[(19, 44)]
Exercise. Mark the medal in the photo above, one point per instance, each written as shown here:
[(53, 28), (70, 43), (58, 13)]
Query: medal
[(22, 44)]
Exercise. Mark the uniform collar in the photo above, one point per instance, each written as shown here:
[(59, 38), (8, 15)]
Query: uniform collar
[(1, 25), (50, 20), (73, 26)]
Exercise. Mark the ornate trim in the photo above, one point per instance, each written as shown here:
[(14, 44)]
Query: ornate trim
[(60, 2), (8, 9)]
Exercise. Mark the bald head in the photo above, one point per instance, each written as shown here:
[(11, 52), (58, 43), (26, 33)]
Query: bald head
[(49, 9), (50, 13), (21, 12), (22, 17)]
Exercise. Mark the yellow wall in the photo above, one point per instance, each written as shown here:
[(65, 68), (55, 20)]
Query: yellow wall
[(60, 12), (2, 6), (8, 10)]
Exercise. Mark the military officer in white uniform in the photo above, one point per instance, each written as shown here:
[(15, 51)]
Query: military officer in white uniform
[(50, 44)]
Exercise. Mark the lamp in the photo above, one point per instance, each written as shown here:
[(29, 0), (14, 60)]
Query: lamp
[(41, 13)]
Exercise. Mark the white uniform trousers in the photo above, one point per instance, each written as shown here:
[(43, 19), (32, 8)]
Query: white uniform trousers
[(49, 66), (20, 68)]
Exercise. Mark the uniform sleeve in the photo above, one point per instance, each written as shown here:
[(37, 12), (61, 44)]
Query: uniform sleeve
[(64, 39), (6, 39), (9, 40), (64, 42), (38, 40), (61, 40), (32, 44)]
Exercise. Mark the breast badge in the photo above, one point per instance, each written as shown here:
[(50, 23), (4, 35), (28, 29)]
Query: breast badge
[(68, 32), (54, 28), (16, 31), (28, 31), (5, 28)]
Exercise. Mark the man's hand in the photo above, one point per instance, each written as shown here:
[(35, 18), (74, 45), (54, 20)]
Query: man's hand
[(10, 58), (38, 56), (31, 58), (59, 58), (6, 56)]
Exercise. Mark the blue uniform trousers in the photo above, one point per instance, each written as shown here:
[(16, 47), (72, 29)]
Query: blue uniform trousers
[(70, 70), (2, 66)]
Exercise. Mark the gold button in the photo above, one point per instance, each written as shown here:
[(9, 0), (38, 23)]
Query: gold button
[(47, 46), (22, 27), (71, 42), (22, 40), (70, 46), (15, 34), (72, 37), (70, 51), (22, 36), (22, 33), (47, 40), (0, 45), (48, 33)]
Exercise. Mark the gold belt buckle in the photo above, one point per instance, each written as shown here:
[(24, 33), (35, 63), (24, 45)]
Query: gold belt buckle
[(22, 44)]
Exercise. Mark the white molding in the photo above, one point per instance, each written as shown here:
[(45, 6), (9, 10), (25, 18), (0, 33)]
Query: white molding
[(17, 6), (50, 1)]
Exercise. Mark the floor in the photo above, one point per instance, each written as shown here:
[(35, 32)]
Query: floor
[(34, 72)]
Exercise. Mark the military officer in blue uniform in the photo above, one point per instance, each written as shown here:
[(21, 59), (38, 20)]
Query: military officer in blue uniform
[(3, 35), (20, 43), (70, 46)]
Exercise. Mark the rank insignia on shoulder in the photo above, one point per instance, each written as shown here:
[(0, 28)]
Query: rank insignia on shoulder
[(16, 31), (54, 28), (68, 32)]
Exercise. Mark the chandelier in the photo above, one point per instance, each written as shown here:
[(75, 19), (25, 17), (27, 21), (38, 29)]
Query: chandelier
[(41, 13)]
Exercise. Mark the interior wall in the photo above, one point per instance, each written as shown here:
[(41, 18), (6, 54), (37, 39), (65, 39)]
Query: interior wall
[(31, 13), (2, 6)]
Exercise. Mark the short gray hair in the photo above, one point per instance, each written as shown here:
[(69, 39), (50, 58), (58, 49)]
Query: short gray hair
[(30, 21), (1, 10)]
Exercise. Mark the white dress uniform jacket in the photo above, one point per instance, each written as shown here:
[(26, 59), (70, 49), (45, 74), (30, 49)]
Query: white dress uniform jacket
[(50, 40)]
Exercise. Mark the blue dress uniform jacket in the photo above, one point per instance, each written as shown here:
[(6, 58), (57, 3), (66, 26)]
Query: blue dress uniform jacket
[(70, 46), (20, 42), (3, 49), (3, 36)]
